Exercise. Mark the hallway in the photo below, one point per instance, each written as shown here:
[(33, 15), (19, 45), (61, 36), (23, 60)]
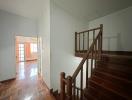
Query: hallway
[(27, 86)]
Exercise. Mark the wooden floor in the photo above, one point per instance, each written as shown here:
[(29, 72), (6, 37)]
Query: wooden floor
[(27, 86)]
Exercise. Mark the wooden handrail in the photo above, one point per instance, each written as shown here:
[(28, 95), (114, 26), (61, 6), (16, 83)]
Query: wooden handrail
[(84, 58), (98, 28)]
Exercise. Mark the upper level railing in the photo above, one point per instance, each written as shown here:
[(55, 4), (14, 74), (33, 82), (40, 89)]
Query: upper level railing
[(72, 86), (84, 39)]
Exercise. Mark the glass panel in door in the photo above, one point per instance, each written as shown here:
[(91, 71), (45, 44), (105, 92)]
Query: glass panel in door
[(21, 52)]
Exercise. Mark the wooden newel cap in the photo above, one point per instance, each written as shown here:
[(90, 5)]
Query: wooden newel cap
[(101, 25), (62, 74), (69, 77)]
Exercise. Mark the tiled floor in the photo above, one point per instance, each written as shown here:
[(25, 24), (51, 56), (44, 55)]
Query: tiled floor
[(27, 86)]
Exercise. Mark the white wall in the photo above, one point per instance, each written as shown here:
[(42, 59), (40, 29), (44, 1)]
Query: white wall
[(63, 28), (44, 34), (10, 26), (117, 36), (117, 30)]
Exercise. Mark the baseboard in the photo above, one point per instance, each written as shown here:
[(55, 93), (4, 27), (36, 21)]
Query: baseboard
[(45, 83), (8, 80)]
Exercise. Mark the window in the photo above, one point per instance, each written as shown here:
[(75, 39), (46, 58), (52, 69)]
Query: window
[(33, 47)]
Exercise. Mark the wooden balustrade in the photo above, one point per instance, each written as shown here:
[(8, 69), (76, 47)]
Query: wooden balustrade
[(80, 39), (72, 91)]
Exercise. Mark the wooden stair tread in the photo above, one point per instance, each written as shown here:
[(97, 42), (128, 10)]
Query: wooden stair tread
[(126, 72), (117, 59), (106, 92), (95, 95), (90, 91), (115, 73), (126, 84), (115, 87), (111, 90), (89, 97), (118, 56), (118, 67), (115, 77)]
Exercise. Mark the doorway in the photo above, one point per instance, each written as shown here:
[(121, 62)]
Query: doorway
[(26, 57), (26, 49)]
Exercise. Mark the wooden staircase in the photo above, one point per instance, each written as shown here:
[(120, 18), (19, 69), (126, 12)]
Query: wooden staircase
[(111, 79), (99, 76)]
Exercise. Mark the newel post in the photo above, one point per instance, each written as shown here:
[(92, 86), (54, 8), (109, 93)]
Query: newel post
[(69, 87), (101, 28), (62, 86), (75, 42)]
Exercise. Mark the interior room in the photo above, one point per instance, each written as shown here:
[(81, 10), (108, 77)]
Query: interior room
[(65, 49)]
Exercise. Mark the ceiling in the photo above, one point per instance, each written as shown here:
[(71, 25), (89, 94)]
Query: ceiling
[(82, 9), (92, 9), (27, 8)]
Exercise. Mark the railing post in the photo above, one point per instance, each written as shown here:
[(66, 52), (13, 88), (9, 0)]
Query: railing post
[(87, 62), (88, 41), (69, 87), (79, 43), (83, 41), (100, 41), (62, 88), (101, 29), (75, 42)]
